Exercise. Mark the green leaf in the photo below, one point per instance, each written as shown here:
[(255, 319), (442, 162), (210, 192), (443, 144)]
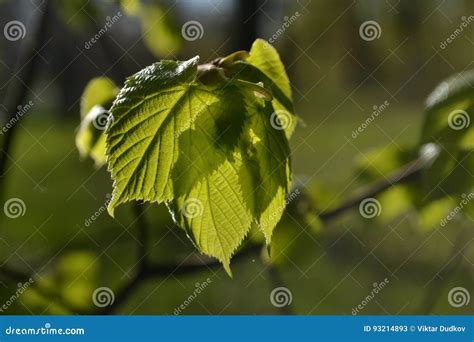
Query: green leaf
[(449, 124), (455, 90), (210, 152), (268, 159), (449, 113), (215, 211), (263, 64), (97, 98), (142, 143), (159, 31), (99, 91), (266, 58), (90, 138), (131, 7)]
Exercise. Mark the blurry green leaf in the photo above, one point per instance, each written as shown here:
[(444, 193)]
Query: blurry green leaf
[(71, 282), (76, 14), (430, 215), (395, 201), (378, 163), (74, 265), (449, 112), (159, 31), (450, 174), (455, 91), (90, 138), (448, 117), (99, 91), (131, 7), (210, 152)]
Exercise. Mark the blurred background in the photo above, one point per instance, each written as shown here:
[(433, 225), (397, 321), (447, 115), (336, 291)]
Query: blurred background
[(340, 76)]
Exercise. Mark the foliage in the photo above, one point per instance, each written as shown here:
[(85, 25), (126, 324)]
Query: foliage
[(446, 142), (210, 141)]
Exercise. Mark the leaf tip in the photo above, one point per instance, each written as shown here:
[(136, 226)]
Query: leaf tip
[(226, 265)]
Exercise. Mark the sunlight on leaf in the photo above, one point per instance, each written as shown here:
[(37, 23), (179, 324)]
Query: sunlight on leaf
[(209, 151)]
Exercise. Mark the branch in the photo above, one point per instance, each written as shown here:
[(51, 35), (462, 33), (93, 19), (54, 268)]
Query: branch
[(404, 174), (26, 73), (147, 270)]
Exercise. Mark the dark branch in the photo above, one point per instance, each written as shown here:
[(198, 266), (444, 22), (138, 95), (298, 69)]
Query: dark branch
[(406, 173), (146, 270), (26, 73)]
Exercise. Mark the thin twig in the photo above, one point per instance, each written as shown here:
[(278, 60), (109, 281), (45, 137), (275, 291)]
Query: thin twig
[(404, 174)]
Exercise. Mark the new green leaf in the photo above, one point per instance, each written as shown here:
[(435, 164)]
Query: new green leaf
[(204, 144)]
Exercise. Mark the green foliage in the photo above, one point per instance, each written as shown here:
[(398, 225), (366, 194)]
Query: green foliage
[(72, 282), (76, 14), (447, 142), (205, 140), (159, 31), (448, 123), (263, 64), (95, 102)]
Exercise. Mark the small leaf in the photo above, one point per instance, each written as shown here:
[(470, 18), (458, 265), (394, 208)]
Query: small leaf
[(449, 114), (455, 90), (99, 91), (264, 65), (90, 139)]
